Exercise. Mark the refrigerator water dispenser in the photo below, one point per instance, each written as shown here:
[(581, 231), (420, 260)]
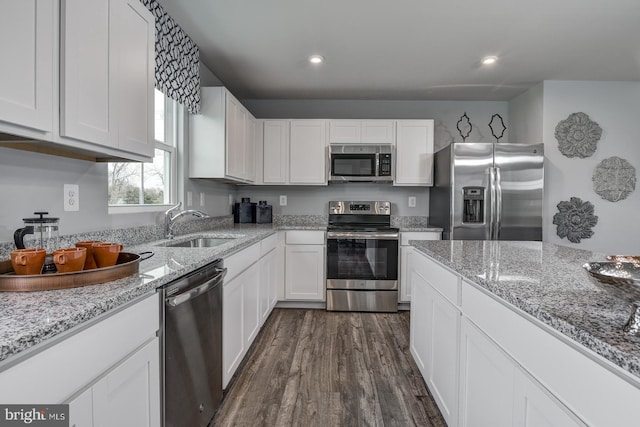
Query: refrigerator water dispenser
[(473, 204)]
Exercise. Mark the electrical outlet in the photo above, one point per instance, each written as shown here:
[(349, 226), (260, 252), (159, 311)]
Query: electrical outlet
[(189, 198), (201, 199), (412, 201), (71, 197), (283, 200)]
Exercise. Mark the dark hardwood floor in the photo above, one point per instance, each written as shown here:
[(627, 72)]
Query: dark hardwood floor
[(318, 368)]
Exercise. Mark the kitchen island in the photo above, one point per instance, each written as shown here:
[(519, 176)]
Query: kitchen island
[(521, 313)]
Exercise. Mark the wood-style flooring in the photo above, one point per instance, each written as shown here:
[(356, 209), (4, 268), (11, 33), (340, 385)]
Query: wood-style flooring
[(319, 368)]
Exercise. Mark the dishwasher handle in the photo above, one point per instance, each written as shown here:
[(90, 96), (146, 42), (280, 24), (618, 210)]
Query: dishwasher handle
[(178, 299)]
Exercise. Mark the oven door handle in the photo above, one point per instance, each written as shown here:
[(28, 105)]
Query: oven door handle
[(361, 235)]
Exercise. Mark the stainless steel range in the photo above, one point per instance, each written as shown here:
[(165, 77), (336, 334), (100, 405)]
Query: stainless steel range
[(362, 257)]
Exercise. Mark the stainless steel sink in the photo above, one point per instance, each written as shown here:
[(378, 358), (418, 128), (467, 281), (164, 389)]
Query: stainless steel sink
[(200, 242)]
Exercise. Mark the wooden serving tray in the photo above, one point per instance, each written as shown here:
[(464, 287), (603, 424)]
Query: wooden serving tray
[(126, 265)]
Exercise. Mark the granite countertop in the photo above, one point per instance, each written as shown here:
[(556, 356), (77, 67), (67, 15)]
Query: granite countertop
[(548, 282), (31, 318)]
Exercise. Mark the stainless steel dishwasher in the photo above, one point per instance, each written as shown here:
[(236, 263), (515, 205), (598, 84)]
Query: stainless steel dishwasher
[(192, 346)]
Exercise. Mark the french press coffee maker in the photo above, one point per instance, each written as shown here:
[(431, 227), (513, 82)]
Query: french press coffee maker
[(45, 231)]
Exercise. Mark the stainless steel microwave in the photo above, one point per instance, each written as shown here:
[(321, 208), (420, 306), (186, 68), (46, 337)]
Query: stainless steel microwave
[(363, 163)]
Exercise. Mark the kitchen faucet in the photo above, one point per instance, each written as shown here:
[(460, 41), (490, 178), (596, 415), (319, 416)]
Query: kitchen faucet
[(170, 218)]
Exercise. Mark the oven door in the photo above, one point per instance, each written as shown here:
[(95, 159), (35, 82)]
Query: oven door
[(362, 260)]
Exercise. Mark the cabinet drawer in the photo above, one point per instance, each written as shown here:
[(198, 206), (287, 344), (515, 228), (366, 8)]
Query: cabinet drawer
[(240, 261), (267, 244), (405, 236), (441, 279), (304, 237)]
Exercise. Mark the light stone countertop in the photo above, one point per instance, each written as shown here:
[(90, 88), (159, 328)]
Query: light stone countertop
[(32, 319), (548, 282)]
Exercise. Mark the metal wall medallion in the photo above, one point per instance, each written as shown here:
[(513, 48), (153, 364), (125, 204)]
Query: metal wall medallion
[(497, 126), (578, 135), (464, 126), (575, 220), (614, 179)]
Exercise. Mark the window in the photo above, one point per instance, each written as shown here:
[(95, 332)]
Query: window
[(142, 184)]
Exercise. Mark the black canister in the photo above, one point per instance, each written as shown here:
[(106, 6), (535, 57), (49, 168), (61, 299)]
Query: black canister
[(263, 213), (245, 211)]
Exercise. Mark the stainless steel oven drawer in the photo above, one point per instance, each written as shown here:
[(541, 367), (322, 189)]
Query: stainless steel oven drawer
[(375, 301)]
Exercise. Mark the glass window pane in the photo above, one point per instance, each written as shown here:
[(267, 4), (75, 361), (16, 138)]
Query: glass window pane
[(159, 115), (156, 179), (125, 183)]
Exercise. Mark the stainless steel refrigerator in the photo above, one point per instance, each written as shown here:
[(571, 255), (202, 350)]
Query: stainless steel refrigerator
[(485, 191)]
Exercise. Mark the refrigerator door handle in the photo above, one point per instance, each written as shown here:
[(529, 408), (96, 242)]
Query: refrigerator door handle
[(492, 203), (498, 214)]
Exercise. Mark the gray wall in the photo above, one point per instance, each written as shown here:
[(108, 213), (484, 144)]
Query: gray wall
[(307, 200), (615, 106), (525, 116)]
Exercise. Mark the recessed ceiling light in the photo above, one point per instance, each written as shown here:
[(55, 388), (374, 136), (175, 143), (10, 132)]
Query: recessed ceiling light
[(488, 60), (316, 59)]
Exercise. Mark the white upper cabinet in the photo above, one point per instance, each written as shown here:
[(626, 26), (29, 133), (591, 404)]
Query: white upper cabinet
[(134, 76), (107, 63), (414, 152), (27, 41), (222, 138), (275, 151), (308, 152), (295, 152), (84, 55), (361, 132)]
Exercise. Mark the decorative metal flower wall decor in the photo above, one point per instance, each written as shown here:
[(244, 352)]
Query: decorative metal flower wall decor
[(578, 135), (614, 179), (498, 125), (575, 219), (464, 126)]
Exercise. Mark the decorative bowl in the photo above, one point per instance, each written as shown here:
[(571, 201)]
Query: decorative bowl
[(621, 279)]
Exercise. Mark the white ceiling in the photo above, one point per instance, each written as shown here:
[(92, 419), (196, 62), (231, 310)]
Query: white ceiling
[(410, 49)]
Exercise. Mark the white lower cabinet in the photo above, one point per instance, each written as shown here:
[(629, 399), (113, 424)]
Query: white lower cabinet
[(268, 283), (248, 298), (536, 407), (405, 252), (487, 378), (233, 348), (304, 265), (108, 373), (127, 396), (500, 367), (251, 319), (435, 331), (241, 318)]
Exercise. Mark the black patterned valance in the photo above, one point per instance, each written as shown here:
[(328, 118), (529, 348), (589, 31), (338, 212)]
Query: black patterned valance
[(177, 60)]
